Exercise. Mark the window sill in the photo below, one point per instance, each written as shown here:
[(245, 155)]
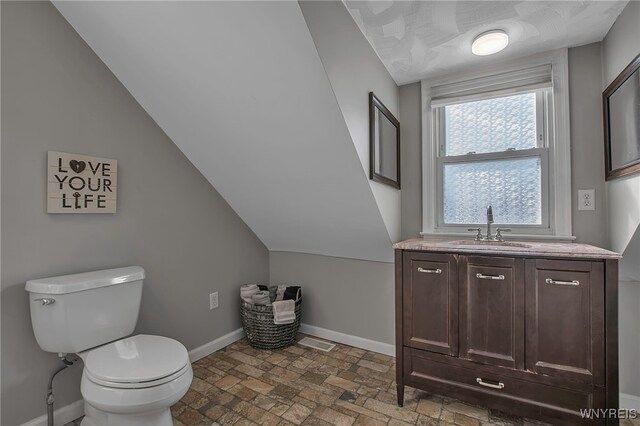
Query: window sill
[(451, 236)]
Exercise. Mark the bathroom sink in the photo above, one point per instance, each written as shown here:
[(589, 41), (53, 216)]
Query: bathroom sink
[(488, 245)]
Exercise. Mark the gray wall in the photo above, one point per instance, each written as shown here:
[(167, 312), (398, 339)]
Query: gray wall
[(620, 45), (587, 154), (629, 330), (350, 296), (629, 266), (629, 337), (411, 132), (57, 95)]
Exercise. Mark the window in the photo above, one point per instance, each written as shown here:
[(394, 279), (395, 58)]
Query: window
[(499, 137), (493, 152)]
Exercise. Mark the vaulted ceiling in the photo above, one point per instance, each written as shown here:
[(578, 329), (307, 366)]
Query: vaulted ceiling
[(421, 39), (240, 89)]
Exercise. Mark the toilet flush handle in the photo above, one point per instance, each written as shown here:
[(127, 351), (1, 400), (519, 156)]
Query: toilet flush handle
[(45, 300)]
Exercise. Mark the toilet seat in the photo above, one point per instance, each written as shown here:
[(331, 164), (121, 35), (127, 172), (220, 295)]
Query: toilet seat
[(140, 361), (138, 385)]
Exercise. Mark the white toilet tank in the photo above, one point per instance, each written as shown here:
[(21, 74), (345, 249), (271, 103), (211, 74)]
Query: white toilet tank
[(72, 313)]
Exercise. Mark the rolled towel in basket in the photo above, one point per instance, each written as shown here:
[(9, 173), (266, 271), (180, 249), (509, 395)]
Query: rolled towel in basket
[(261, 298), (284, 311), (280, 292), (247, 291), (293, 292), (272, 292)]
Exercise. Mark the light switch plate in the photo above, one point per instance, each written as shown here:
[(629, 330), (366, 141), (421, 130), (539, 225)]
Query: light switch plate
[(586, 199)]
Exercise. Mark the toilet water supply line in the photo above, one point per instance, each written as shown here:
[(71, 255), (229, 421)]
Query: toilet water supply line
[(50, 399)]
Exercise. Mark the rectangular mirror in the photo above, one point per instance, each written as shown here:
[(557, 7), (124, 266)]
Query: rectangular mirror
[(384, 144), (621, 108)]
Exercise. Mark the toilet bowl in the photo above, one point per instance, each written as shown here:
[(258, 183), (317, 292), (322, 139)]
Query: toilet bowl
[(126, 381), (134, 381)]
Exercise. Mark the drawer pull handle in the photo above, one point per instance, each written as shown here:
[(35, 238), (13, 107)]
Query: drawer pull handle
[(430, 271), (573, 282), (489, 277), (481, 382)]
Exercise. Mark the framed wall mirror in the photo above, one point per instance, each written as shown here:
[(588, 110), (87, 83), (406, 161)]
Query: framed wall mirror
[(384, 144), (621, 108)]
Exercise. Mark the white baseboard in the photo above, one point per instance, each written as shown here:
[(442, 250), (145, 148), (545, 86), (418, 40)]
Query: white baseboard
[(61, 415), (215, 345), (631, 402), (347, 339)]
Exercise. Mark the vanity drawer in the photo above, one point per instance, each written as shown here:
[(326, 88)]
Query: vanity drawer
[(501, 392)]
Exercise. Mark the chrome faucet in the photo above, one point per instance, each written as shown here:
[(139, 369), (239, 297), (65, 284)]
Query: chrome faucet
[(489, 237)]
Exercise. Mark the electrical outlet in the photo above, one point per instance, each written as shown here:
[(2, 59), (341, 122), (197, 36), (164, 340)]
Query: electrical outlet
[(213, 300), (586, 199)]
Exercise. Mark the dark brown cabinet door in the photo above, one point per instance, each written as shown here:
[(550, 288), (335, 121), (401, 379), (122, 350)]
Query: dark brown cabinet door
[(492, 310), (430, 307), (565, 319)]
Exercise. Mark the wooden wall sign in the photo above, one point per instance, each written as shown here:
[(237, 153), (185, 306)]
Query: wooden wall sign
[(81, 184)]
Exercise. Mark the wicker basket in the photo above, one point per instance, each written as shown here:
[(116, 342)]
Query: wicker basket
[(262, 333)]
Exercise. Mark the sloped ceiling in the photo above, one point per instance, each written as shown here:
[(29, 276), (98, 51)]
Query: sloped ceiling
[(421, 39), (240, 89)]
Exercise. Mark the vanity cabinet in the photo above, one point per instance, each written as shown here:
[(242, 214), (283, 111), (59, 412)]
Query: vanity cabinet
[(532, 333)]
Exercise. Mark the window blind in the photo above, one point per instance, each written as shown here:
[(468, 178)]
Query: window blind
[(493, 86)]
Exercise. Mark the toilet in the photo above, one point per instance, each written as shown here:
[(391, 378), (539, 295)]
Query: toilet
[(127, 380)]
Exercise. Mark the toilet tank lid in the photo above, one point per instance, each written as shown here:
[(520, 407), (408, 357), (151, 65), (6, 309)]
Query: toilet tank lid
[(85, 281)]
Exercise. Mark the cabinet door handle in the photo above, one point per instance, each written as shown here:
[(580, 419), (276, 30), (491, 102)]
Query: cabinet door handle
[(430, 271), (573, 282), (498, 385), (489, 277)]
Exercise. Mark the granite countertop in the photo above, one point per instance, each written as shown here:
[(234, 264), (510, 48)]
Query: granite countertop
[(512, 248)]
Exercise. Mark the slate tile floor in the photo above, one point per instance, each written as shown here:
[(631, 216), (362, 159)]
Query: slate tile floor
[(297, 385), (302, 386)]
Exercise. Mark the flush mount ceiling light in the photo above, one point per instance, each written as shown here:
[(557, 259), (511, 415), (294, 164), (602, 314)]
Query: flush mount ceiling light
[(489, 43)]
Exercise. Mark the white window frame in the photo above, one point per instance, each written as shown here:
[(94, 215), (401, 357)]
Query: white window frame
[(555, 153)]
